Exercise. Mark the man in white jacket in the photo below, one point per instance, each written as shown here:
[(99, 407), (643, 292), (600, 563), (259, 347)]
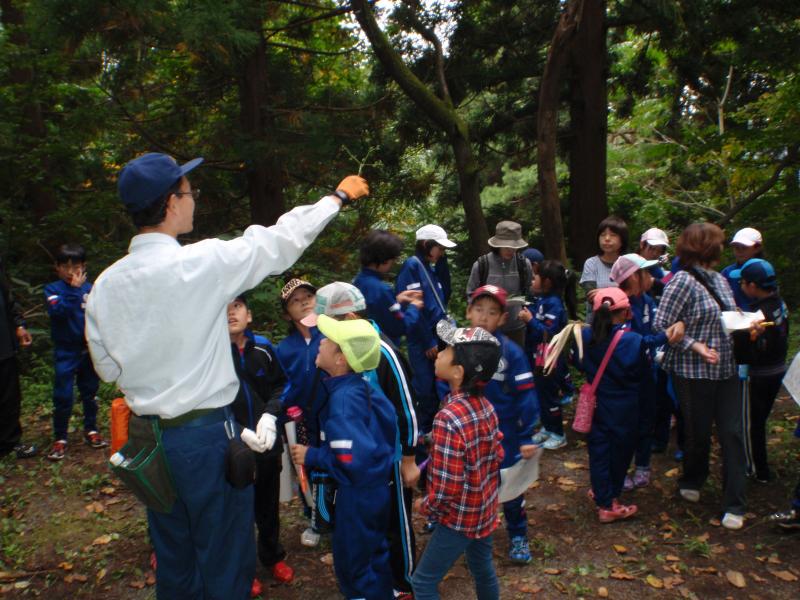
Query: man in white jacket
[(156, 324)]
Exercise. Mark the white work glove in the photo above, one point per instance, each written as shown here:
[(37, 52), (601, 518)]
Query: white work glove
[(250, 438), (266, 430)]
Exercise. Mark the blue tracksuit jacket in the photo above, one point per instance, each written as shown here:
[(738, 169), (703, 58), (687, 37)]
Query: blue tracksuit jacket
[(412, 276), (382, 307), (298, 360), (742, 301), (66, 307)]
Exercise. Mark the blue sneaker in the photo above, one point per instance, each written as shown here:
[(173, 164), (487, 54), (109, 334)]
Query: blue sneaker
[(541, 436), (566, 400), (520, 552)]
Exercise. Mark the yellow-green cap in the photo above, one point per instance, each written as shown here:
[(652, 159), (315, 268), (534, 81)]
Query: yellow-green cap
[(358, 339)]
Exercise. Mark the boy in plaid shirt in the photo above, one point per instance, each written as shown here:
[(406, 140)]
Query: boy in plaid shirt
[(464, 472)]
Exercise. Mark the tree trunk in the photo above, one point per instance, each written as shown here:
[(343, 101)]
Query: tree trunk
[(547, 126), (37, 189), (589, 121), (265, 174), (469, 187)]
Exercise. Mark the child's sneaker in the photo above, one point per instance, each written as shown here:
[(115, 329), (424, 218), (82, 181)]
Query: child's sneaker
[(541, 436), (256, 589), (282, 572), (566, 400), (641, 478), (732, 521), (520, 552), (628, 484), (616, 512), (58, 451), (93, 439), (788, 520), (554, 442), (689, 495)]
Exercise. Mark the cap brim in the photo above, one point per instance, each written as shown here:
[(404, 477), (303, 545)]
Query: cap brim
[(648, 263), (310, 320), (191, 165), (495, 243), (656, 243), (446, 332), (446, 243), (735, 274)]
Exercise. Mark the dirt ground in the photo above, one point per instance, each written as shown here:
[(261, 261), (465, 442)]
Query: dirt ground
[(70, 530)]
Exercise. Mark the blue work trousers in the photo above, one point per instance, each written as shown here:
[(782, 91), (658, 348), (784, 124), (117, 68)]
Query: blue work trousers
[(424, 383), (611, 444), (205, 546), (71, 367), (516, 522), (444, 548), (360, 542)]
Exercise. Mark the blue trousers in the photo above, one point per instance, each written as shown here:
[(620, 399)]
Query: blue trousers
[(516, 522), (205, 547), (611, 444), (360, 546), (71, 367), (424, 383), (547, 389), (647, 416), (443, 549)]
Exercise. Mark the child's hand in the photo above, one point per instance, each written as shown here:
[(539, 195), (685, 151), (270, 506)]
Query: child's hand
[(675, 332), (78, 278), (409, 471), (418, 505), (528, 450), (756, 329), (411, 297), (710, 355), (24, 337), (525, 315), (298, 452)]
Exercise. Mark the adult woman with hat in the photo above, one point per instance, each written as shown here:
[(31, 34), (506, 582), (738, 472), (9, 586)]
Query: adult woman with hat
[(507, 268)]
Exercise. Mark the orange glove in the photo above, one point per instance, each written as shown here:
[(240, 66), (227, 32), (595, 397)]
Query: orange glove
[(354, 186)]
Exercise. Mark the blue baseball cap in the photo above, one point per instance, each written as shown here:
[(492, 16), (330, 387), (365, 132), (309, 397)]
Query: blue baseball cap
[(147, 178), (758, 271), (533, 255)]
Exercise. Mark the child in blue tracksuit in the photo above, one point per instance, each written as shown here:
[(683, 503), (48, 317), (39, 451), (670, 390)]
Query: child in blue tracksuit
[(358, 429), (632, 273), (511, 393), (394, 313), (545, 318), (297, 351), (612, 439), (66, 303), (426, 272)]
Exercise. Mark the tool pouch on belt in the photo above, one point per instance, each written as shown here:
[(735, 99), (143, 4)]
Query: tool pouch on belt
[(240, 461), (143, 465)]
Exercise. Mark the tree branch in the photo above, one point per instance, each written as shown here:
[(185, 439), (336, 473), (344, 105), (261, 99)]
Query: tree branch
[(311, 50), (430, 35), (790, 159), (328, 15)]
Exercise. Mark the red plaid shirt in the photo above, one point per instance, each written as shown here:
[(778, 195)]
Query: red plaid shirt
[(464, 470)]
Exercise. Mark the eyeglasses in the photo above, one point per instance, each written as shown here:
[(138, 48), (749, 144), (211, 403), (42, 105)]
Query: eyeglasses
[(195, 194)]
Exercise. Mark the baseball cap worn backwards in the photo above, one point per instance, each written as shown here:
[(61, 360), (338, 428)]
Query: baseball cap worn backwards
[(336, 299), (147, 178), (358, 339), (627, 264), (435, 233), (614, 297), (758, 271)]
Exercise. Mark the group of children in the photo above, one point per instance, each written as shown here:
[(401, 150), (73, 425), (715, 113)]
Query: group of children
[(478, 395)]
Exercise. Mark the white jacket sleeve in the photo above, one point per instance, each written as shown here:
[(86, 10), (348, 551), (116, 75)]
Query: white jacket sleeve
[(105, 366)]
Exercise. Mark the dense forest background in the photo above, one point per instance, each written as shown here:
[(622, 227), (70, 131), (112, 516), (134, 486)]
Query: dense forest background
[(462, 113)]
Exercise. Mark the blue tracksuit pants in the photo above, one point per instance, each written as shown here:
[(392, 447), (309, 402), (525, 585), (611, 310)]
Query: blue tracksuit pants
[(611, 444), (71, 367), (205, 547), (424, 382), (360, 546)]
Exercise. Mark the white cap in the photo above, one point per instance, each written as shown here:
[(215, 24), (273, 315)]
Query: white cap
[(435, 233), (655, 237), (747, 237)]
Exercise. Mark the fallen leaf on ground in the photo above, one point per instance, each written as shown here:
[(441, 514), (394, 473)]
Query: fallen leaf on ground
[(714, 522), (774, 560), (574, 466), (672, 558), (655, 582), (602, 592), (67, 566), (108, 490), (551, 571), (739, 546), (736, 579), (672, 582), (784, 575), (704, 537), (95, 507), (327, 559), (559, 586), (150, 579), (710, 570), (664, 516), (619, 573), (620, 549), (102, 540), (672, 472), (100, 574), (555, 507), (757, 578), (139, 585)]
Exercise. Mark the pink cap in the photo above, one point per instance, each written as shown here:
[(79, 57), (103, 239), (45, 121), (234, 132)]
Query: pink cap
[(614, 297)]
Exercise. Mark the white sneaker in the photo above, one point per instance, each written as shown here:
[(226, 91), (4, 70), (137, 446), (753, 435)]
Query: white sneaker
[(732, 521), (690, 495), (541, 436), (554, 442)]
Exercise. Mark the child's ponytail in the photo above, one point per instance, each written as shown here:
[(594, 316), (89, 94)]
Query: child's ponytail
[(602, 323), (563, 283)]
